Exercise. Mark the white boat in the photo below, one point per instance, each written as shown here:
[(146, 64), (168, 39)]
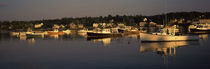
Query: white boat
[(167, 33), (104, 33), (56, 31), (146, 37), (84, 31), (35, 33), (200, 28), (14, 33), (67, 31)]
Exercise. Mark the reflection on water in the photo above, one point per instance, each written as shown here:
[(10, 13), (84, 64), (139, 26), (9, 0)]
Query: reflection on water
[(165, 49), (134, 36), (84, 34), (105, 41), (77, 51), (31, 41), (162, 48), (203, 36)]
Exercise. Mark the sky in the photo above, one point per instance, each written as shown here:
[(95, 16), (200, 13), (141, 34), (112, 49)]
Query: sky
[(51, 9)]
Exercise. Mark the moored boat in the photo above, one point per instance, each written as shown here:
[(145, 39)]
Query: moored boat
[(129, 31), (67, 31), (35, 34), (97, 34), (84, 31), (200, 30), (55, 32), (103, 33), (145, 37), (201, 27)]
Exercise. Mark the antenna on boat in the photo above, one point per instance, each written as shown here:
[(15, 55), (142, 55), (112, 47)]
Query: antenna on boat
[(165, 13)]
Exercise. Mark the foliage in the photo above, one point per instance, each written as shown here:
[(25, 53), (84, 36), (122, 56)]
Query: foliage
[(88, 21)]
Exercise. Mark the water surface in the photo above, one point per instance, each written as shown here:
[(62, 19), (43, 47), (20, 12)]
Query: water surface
[(77, 52)]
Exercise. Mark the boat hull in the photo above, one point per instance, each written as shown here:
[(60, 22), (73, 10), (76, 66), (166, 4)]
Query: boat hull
[(198, 31), (33, 35), (56, 33), (92, 34), (125, 32), (131, 32), (164, 38)]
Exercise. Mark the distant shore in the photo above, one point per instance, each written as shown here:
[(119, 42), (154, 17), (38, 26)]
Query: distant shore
[(187, 17)]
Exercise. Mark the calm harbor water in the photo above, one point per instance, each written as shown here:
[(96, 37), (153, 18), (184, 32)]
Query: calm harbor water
[(75, 51)]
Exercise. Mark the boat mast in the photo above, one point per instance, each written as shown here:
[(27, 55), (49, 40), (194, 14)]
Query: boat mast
[(165, 13)]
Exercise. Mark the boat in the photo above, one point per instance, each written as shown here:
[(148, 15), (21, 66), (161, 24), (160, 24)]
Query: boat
[(35, 34), (131, 32), (56, 32), (84, 31), (166, 34), (67, 31), (14, 33), (127, 31), (99, 34), (200, 28), (146, 37), (103, 33), (32, 35)]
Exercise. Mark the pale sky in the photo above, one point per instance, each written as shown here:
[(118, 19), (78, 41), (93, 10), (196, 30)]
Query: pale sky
[(51, 9)]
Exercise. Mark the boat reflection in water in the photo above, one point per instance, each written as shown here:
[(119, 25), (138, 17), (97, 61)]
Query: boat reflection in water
[(203, 36), (134, 36), (162, 48), (165, 49), (82, 34), (31, 41)]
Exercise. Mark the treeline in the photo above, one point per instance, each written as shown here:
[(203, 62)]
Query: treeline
[(88, 21), (192, 16)]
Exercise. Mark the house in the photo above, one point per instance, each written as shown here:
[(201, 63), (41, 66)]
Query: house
[(73, 26), (103, 25), (152, 24), (80, 26), (55, 26), (110, 24), (146, 24), (38, 25), (204, 20), (142, 24), (95, 25), (121, 25)]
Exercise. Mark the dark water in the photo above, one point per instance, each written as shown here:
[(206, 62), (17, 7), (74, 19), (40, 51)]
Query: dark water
[(78, 52)]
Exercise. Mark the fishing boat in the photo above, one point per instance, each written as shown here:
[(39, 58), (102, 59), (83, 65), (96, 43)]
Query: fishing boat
[(146, 37), (200, 28), (84, 31), (67, 31), (55, 32), (32, 35), (127, 30), (35, 34), (166, 33), (103, 33), (14, 33)]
